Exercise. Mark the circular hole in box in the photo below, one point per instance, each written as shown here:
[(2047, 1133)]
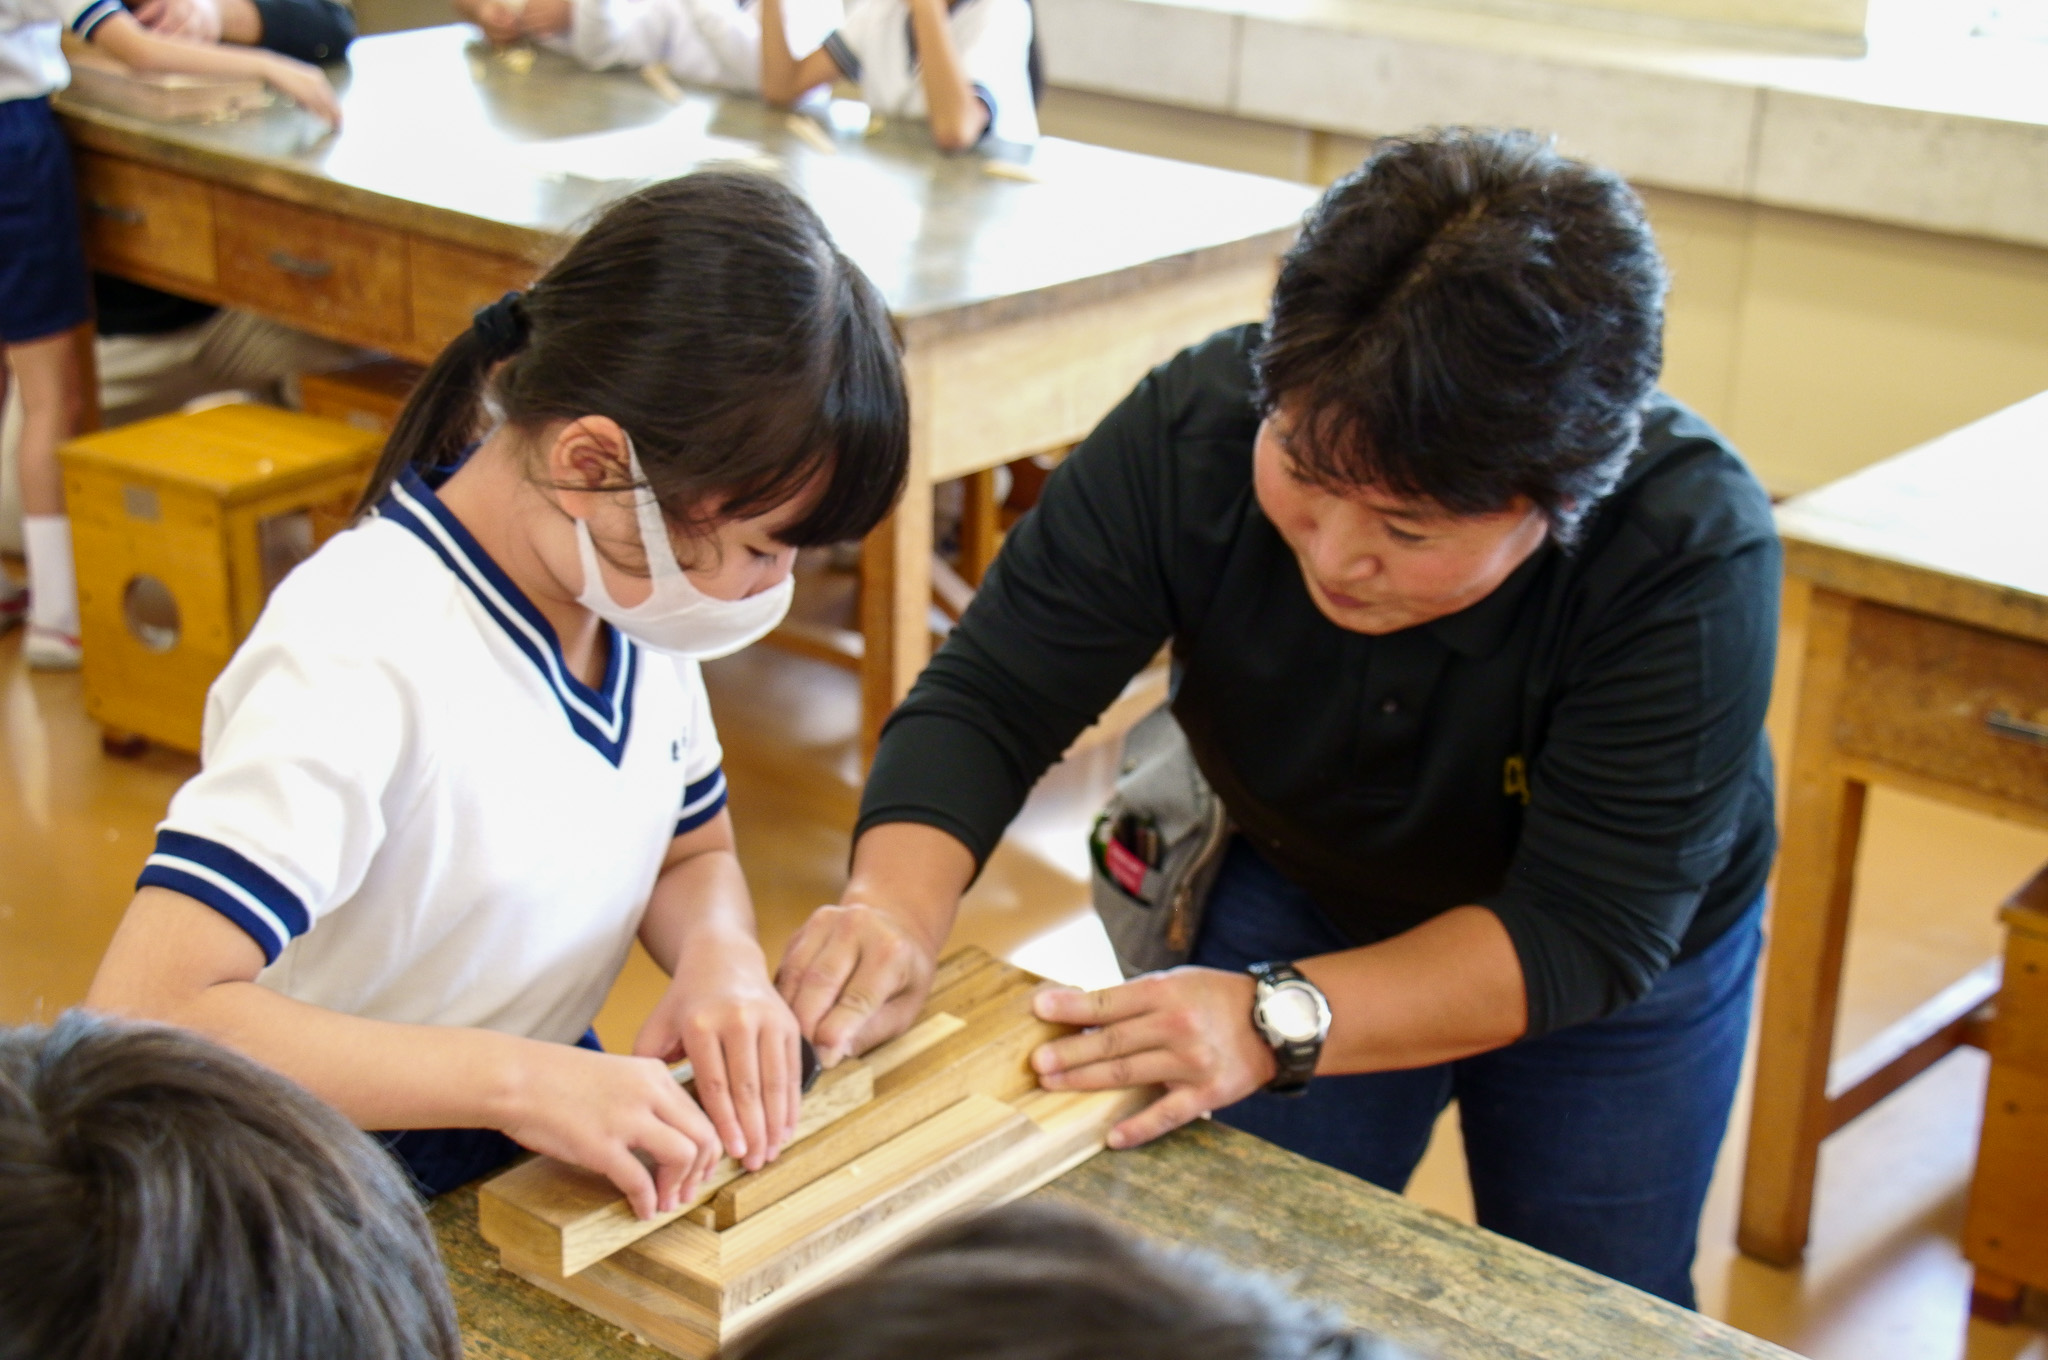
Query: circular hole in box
[(151, 612)]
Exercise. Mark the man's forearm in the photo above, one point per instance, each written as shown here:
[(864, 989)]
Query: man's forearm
[(915, 873), (1447, 989)]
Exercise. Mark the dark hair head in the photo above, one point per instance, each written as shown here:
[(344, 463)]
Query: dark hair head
[(1469, 317), (711, 317), (1033, 1283), (164, 1199)]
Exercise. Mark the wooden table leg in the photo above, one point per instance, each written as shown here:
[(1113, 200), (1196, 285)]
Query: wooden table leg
[(1995, 1298), (895, 608), (1803, 974), (981, 532)]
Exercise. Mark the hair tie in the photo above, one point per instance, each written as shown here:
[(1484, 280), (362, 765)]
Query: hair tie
[(503, 326)]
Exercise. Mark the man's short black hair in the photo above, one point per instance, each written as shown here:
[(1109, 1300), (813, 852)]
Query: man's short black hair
[(1469, 317), (1029, 1282), (163, 1197)]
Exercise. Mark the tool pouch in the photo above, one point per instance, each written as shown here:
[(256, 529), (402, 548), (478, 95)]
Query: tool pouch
[(1150, 897)]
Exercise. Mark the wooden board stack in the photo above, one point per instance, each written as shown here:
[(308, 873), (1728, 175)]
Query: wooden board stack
[(945, 1119)]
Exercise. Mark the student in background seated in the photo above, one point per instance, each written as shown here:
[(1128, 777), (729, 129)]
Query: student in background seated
[(42, 263), (970, 67), (1031, 1283), (465, 756), (163, 1197), (705, 42)]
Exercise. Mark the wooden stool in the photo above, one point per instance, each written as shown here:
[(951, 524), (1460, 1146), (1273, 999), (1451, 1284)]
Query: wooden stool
[(2006, 1234), (367, 396), (181, 526)]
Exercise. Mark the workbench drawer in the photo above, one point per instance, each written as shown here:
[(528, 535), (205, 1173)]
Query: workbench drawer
[(451, 282), (143, 221), (1954, 703), (319, 271)]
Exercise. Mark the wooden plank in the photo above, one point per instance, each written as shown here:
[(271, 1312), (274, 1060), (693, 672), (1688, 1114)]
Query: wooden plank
[(567, 1218), (1803, 970), (989, 1055), (1934, 1029)]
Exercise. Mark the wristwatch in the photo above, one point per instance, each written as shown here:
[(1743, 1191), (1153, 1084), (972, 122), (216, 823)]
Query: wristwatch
[(1292, 1014)]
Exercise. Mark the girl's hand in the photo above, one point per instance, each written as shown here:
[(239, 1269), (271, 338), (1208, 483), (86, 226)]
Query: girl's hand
[(307, 86), (1189, 1029), (721, 1013), (545, 18), (598, 1110)]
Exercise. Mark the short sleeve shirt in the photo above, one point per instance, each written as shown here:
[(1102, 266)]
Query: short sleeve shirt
[(876, 48), (31, 58), (415, 809)]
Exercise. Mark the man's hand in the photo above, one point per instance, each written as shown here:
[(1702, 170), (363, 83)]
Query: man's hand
[(193, 20), (1189, 1029), (855, 975)]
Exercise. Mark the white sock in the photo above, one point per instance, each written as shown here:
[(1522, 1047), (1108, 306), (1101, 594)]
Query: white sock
[(52, 586)]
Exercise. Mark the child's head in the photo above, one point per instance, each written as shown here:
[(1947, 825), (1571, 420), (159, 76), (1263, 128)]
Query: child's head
[(163, 1197), (1031, 1283), (710, 318)]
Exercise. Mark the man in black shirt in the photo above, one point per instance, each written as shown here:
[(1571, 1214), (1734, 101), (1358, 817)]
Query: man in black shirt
[(1473, 634)]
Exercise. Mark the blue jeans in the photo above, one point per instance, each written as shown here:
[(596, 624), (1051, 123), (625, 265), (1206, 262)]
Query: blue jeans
[(439, 1160), (1594, 1143)]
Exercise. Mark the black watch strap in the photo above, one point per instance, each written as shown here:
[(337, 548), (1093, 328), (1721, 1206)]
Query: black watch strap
[(1295, 1058)]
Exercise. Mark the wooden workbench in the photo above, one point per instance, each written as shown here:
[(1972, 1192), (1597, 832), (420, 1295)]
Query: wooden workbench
[(1917, 610), (1449, 1290), (1029, 303)]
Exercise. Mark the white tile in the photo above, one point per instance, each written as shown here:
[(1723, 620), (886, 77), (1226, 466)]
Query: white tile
[(1168, 53), (1974, 176), (1658, 127)]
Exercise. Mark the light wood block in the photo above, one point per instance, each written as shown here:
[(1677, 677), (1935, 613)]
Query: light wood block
[(957, 1122), (569, 1218)]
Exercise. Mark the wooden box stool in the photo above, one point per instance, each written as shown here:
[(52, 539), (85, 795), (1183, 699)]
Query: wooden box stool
[(943, 1120), (2006, 1234), (181, 526)]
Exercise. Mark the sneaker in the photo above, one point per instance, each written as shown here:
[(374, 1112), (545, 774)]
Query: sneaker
[(47, 649), (13, 602)]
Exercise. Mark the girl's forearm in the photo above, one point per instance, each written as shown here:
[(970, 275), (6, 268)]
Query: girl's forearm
[(123, 37), (778, 67), (957, 116), (698, 902)]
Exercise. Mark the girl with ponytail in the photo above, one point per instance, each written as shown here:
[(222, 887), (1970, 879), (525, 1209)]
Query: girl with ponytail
[(465, 756)]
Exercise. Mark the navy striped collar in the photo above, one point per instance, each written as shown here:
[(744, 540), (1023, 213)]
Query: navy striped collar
[(601, 716)]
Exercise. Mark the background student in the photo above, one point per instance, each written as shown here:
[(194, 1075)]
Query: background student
[(1026, 1282), (42, 263), (970, 68), (705, 42), (162, 1196), (465, 755)]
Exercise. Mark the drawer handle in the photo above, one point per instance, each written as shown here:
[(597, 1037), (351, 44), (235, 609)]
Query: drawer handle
[(2019, 729), (114, 212), (298, 264)]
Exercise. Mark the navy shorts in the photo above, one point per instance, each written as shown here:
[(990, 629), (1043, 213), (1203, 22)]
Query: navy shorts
[(43, 283)]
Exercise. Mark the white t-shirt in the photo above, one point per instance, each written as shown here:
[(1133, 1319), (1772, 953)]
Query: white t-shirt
[(706, 42), (31, 59), (877, 50), (414, 808)]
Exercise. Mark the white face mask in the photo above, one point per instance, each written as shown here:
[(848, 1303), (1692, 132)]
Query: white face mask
[(676, 616)]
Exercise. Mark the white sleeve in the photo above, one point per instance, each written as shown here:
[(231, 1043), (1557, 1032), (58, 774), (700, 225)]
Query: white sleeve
[(996, 59), (730, 36), (703, 758), (80, 16), (852, 44), (300, 753), (607, 33)]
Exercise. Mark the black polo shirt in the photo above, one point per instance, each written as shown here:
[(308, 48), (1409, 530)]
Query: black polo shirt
[(1582, 751)]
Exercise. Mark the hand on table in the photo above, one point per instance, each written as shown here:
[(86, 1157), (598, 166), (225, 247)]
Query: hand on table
[(1188, 1029), (305, 85), (855, 975), (499, 21), (723, 1015), (599, 1110), (545, 18)]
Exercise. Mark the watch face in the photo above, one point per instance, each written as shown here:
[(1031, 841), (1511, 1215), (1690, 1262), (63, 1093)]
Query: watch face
[(1292, 1015)]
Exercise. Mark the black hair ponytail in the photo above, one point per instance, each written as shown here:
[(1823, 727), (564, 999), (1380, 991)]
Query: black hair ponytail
[(712, 317)]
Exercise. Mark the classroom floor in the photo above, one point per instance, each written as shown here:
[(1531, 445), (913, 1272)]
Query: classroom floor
[(1883, 1281)]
